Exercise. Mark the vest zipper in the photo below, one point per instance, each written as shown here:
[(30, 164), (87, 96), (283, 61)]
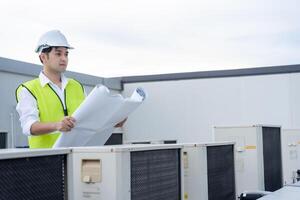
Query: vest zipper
[(65, 96), (65, 110)]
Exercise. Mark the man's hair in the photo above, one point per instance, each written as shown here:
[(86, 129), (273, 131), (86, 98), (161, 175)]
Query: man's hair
[(46, 51)]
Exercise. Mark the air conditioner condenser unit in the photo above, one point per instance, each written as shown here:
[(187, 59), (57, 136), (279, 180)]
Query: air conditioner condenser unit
[(126, 172), (258, 156), (33, 174), (209, 171)]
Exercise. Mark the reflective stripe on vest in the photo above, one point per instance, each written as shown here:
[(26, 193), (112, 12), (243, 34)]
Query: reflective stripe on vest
[(51, 108)]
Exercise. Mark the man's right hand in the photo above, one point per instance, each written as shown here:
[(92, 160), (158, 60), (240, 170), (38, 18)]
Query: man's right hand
[(66, 124)]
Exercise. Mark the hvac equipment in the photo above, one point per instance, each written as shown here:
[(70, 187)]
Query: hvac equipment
[(288, 192), (253, 195), (258, 158), (290, 155), (33, 174), (125, 172), (209, 171), (3, 139), (150, 142), (115, 139)]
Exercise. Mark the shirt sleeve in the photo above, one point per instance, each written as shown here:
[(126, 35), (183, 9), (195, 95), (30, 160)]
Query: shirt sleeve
[(28, 111)]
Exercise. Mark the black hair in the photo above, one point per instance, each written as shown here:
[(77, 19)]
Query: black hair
[(46, 51)]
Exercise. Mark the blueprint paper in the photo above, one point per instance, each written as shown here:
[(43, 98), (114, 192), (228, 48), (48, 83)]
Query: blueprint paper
[(97, 138), (97, 116)]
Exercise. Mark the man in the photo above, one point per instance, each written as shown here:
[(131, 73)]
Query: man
[(45, 104)]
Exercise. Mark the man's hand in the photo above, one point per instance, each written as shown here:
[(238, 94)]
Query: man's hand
[(66, 124), (40, 128), (120, 124)]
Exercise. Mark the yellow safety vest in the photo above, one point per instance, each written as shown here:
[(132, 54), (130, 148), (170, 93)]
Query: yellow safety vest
[(51, 107)]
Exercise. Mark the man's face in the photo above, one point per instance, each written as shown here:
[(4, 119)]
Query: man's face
[(57, 59)]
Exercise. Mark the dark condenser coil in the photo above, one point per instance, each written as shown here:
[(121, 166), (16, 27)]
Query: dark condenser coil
[(155, 175), (3, 140), (220, 172), (33, 178), (272, 158)]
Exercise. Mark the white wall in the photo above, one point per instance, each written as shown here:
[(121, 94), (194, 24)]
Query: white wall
[(187, 110)]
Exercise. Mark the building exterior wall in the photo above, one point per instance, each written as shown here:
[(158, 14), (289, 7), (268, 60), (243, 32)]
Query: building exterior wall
[(187, 110)]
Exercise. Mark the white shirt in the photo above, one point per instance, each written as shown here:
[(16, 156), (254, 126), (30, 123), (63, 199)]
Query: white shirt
[(27, 105)]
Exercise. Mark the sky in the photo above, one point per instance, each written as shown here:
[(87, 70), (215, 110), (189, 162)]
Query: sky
[(140, 37)]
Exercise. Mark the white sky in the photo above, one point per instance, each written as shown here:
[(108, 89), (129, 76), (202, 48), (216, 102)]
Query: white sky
[(137, 37)]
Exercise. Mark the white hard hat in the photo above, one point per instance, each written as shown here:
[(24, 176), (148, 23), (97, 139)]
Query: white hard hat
[(52, 38)]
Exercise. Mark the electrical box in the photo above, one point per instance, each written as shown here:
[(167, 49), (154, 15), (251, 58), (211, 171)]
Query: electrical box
[(290, 155), (209, 172), (258, 156), (126, 172), (33, 174)]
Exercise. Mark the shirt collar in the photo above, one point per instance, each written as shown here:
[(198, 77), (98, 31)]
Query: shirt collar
[(45, 80)]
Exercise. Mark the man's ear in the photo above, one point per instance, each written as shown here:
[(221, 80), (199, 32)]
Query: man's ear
[(42, 57)]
